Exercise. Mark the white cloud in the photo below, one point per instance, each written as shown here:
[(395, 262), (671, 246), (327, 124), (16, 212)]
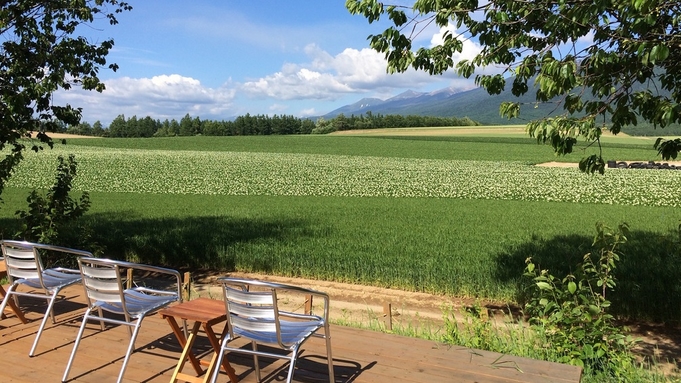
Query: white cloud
[(164, 96), (306, 86), (328, 77), (468, 52), (309, 112), (278, 108)]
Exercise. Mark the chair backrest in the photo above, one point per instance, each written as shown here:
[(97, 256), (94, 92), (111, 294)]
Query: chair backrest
[(252, 306), (23, 260), (106, 281), (251, 310), (102, 281)]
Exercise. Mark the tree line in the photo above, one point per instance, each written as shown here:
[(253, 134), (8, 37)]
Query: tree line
[(254, 125)]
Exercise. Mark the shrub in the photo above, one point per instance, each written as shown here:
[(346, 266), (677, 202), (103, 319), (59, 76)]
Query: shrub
[(572, 312), (52, 218)]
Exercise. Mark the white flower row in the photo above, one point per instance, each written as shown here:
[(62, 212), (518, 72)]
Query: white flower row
[(245, 173)]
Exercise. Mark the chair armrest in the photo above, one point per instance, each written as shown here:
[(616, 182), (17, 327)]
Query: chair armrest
[(157, 270), (283, 287), (154, 291), (65, 270), (299, 316), (304, 291), (131, 266), (61, 249)]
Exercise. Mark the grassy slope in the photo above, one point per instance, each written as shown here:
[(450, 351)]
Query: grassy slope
[(510, 147)]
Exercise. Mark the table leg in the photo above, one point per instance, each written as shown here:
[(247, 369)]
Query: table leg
[(215, 343), (13, 306), (179, 334)]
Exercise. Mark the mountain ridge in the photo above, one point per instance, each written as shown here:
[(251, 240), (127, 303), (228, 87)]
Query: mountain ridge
[(475, 104)]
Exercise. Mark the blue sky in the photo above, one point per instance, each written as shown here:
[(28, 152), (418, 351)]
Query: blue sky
[(220, 59)]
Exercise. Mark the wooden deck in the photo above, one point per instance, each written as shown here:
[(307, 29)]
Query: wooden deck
[(359, 355)]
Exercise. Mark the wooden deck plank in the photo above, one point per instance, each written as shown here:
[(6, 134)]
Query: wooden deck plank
[(359, 355), (454, 357)]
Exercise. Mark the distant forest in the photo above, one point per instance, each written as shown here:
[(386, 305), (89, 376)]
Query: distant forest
[(249, 125)]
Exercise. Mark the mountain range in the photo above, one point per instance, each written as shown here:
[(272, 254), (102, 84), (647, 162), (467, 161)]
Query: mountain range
[(476, 104)]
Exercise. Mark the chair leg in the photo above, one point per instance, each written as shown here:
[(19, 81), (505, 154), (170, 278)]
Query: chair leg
[(292, 364), (218, 362), (76, 344), (48, 313), (6, 299), (131, 347), (256, 365), (101, 315), (327, 337)]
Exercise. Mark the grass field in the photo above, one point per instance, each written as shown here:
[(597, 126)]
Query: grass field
[(453, 214)]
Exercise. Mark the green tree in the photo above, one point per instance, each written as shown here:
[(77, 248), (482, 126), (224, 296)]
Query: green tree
[(118, 126), (629, 69), (40, 54), (186, 126), (97, 129)]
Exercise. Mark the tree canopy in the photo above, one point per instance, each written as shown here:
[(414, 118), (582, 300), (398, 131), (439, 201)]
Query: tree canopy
[(606, 64), (41, 52)]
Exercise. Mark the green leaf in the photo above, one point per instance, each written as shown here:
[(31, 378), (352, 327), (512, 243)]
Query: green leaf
[(572, 287), (544, 286)]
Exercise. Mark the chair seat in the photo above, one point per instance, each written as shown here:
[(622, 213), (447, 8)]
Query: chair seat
[(53, 279), (291, 332), (137, 303)]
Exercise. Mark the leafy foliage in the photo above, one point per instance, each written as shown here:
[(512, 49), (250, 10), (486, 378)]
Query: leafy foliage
[(40, 54), (629, 44), (573, 311), (50, 219)]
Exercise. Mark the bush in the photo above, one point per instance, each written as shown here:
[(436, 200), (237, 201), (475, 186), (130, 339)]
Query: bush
[(572, 312), (52, 219)]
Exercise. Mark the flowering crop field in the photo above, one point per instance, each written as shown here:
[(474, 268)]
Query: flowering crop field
[(295, 174)]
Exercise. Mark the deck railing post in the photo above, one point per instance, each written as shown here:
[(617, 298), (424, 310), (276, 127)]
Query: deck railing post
[(388, 315), (308, 304), (186, 286), (128, 282)]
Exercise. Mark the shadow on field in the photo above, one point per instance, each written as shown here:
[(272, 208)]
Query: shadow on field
[(8, 227), (648, 274), (196, 242)]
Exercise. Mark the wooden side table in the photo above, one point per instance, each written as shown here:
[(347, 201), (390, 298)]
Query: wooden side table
[(12, 306), (203, 312)]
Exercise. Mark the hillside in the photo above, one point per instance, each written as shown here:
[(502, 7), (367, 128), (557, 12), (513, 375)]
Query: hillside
[(475, 104)]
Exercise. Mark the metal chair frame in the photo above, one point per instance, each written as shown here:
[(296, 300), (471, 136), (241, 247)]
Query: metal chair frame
[(25, 268), (105, 289), (253, 313)]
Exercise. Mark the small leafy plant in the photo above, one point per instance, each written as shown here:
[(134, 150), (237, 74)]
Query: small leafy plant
[(572, 312), (51, 218)]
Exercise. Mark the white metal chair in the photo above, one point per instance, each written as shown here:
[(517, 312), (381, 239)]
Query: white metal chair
[(254, 314), (25, 268), (108, 287)]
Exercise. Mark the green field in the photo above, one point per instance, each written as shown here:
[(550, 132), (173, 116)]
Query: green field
[(445, 214)]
